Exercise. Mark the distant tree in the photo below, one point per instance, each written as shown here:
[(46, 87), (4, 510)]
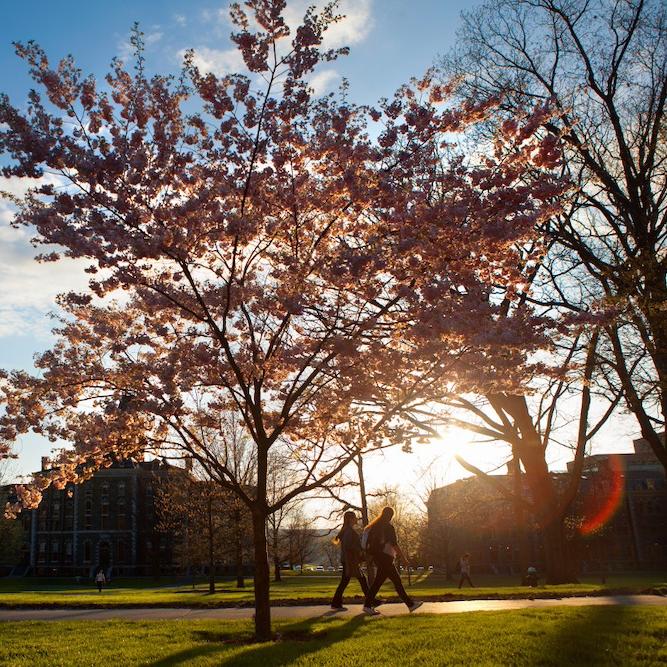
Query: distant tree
[(196, 513), (300, 538), (11, 532), (281, 477), (408, 521)]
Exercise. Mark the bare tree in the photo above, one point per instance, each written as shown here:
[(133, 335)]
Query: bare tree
[(603, 65), (300, 537)]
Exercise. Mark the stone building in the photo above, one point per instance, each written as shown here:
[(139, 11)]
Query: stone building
[(107, 522), (618, 521)]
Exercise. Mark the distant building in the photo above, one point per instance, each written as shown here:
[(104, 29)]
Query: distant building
[(635, 535), (618, 522), (107, 522)]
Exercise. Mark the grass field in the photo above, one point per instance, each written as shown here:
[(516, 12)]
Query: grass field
[(30, 592), (561, 636)]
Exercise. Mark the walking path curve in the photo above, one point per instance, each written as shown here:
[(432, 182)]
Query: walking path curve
[(313, 611)]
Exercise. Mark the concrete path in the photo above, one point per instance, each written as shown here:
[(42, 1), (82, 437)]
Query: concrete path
[(394, 609)]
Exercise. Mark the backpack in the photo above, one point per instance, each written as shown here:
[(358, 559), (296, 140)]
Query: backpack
[(372, 540)]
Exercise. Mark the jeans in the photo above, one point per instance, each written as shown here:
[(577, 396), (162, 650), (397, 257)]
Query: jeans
[(345, 580), (386, 570)]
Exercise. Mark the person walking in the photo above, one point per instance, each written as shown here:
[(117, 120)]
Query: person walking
[(464, 567), (100, 580), (383, 547), (350, 557)]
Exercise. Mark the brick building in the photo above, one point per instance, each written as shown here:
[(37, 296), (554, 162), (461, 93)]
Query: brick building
[(107, 522), (622, 501)]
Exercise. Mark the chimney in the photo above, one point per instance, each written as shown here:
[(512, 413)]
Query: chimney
[(45, 463)]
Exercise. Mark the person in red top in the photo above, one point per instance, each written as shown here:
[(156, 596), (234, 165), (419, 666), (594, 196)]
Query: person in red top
[(383, 546)]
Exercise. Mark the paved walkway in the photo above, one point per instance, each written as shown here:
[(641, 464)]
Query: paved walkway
[(313, 611)]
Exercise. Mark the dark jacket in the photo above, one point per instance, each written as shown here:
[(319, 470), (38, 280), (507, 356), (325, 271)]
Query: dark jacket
[(380, 535), (350, 548)]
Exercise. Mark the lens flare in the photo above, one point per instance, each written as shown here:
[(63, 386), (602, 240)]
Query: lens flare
[(605, 496)]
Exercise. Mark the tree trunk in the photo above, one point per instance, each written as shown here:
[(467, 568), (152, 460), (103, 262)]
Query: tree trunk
[(520, 518), (240, 581), (211, 557), (262, 576), (276, 569), (557, 561), (545, 500)]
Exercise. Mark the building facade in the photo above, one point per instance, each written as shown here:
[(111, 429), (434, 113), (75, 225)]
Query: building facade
[(109, 522), (618, 520)]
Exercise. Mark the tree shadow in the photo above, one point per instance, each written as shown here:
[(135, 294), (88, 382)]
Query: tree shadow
[(294, 641), (586, 639)]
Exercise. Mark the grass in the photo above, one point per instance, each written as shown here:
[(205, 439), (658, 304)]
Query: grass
[(294, 589), (595, 635)]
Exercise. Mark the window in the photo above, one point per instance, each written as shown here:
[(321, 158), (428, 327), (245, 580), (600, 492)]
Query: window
[(68, 551), (55, 550), (68, 522), (120, 514), (42, 551), (55, 515), (87, 551), (104, 515), (88, 514), (120, 551), (121, 489)]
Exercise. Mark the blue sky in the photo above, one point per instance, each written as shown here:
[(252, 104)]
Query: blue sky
[(391, 41)]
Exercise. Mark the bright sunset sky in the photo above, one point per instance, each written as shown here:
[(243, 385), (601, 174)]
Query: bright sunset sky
[(391, 41)]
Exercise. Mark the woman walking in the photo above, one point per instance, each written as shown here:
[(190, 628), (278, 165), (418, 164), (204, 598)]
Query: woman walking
[(350, 555), (383, 546)]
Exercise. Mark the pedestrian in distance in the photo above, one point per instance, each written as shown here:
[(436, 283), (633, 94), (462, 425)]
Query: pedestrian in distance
[(350, 558), (464, 567), (383, 546), (100, 580)]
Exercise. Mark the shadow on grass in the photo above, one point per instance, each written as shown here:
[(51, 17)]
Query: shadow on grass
[(296, 640), (587, 639)]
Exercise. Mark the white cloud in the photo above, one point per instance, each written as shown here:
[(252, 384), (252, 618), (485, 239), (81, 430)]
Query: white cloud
[(352, 29), (180, 19), (153, 37), (126, 50), (217, 61), (28, 288), (323, 81)]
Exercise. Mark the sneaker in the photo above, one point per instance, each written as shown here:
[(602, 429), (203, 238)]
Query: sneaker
[(335, 607), (415, 605), (371, 612)]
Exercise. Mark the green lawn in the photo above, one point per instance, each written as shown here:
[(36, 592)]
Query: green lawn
[(293, 589), (561, 636)]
